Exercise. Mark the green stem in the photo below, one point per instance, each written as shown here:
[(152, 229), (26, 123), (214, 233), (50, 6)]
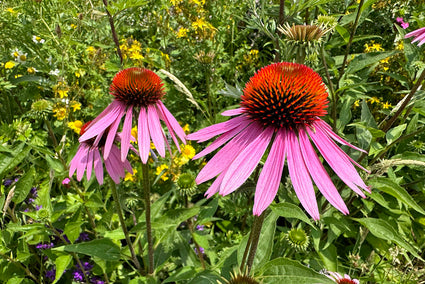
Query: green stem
[(114, 33), (124, 227), (17, 263), (146, 189), (331, 87), (258, 221)]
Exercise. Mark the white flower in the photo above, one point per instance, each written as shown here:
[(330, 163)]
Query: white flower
[(54, 72), (37, 39)]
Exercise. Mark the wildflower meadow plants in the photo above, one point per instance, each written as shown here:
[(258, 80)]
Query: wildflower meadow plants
[(120, 121)]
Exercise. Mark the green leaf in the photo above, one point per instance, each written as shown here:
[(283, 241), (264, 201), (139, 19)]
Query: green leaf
[(73, 230), (395, 133), (289, 210), (54, 164), (23, 186), (283, 270), (9, 161), (343, 33), (103, 248), (61, 263), (383, 230), (206, 277), (184, 273), (365, 59), (390, 187)]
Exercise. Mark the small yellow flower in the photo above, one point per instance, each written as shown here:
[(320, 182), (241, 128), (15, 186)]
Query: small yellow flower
[(134, 132), (73, 26), (136, 46), (186, 128), (91, 50), (136, 55), (182, 32), (60, 113), (200, 24), (187, 151), (31, 70), (356, 103), (10, 10), (159, 169), (374, 100), (76, 125), (75, 106), (129, 176), (386, 105), (9, 65)]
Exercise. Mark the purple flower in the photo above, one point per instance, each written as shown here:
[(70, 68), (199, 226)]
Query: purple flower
[(404, 25), (38, 207), (87, 266), (33, 192), (51, 274), (45, 246), (96, 280), (7, 182), (78, 275), (200, 227), (83, 237), (201, 249)]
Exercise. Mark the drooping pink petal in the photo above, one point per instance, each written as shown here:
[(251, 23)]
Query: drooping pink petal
[(338, 161), (75, 162), (143, 138), (215, 186), (110, 168), (126, 133), (98, 167), (83, 162), (155, 130), (221, 140), (269, 180), (174, 125), (89, 164), (103, 120), (216, 129), (300, 178), (246, 162), (116, 161), (327, 128), (112, 132), (227, 154), (170, 129), (319, 174), (232, 112)]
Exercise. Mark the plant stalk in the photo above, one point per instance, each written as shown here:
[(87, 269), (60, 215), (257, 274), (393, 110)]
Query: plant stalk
[(146, 189)]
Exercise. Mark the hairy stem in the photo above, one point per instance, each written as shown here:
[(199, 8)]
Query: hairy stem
[(146, 189), (258, 221)]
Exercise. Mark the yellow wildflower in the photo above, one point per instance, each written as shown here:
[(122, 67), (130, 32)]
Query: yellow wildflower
[(60, 113), (129, 176), (31, 70), (187, 151), (200, 24), (356, 103), (136, 46), (373, 47), (134, 132), (176, 2), (73, 26), (386, 105), (400, 45), (75, 106), (10, 10), (76, 125), (198, 2), (186, 128), (135, 55), (159, 169), (9, 65), (374, 100), (91, 49), (182, 32)]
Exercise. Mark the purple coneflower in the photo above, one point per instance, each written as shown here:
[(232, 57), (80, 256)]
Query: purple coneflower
[(338, 278), (136, 90), (419, 35), (280, 108), (88, 157)]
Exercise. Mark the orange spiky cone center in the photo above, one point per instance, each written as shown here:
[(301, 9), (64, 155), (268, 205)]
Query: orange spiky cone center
[(285, 95), (345, 281), (137, 86)]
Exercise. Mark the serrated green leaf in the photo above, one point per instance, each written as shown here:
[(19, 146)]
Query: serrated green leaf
[(395, 133), (61, 263), (283, 270), (23, 186), (288, 210), (103, 248), (383, 230), (390, 187)]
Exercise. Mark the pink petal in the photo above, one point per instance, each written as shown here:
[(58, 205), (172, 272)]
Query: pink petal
[(89, 164), (171, 122), (221, 140), (103, 120), (170, 130), (116, 161), (319, 174), (126, 133), (338, 161), (112, 132), (269, 180), (300, 178), (221, 161), (75, 162), (155, 130), (98, 167), (232, 112), (143, 138), (83, 162), (326, 128), (415, 32), (215, 186), (216, 129), (246, 162)]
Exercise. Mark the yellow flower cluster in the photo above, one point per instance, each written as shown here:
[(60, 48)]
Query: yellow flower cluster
[(61, 90), (9, 65), (59, 112), (130, 177), (132, 50), (161, 168), (373, 47), (76, 125), (203, 28)]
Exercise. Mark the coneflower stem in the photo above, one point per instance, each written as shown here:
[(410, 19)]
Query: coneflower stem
[(124, 227), (258, 225), (330, 85), (146, 190)]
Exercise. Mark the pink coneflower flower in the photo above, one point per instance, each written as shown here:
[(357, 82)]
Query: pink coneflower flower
[(88, 157), (280, 108), (136, 90), (338, 278), (419, 35)]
